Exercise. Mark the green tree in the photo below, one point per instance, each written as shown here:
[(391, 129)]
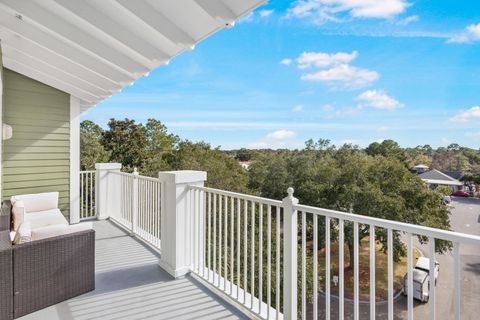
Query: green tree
[(127, 143), (91, 148), (159, 149), (224, 172)]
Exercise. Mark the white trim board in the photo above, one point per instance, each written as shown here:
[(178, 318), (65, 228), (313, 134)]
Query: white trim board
[(74, 159)]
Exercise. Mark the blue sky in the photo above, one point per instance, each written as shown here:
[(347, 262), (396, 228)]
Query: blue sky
[(352, 71)]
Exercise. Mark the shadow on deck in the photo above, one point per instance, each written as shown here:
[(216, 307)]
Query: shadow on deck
[(130, 285)]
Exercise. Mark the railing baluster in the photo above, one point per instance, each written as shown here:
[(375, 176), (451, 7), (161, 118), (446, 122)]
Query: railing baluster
[(341, 269), (456, 281), (277, 265), (315, 266), (431, 298), (238, 247), (356, 311), (390, 273), (82, 197), (269, 259), (372, 272), (225, 249), (209, 231), (304, 266), (260, 257), (252, 253), (220, 214), (245, 250), (327, 267), (232, 248), (409, 276), (214, 236)]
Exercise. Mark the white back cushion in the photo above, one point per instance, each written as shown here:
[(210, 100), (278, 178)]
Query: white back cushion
[(38, 201), (18, 214)]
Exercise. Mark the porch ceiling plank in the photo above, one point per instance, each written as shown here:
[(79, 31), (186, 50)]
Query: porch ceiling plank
[(34, 63), (159, 22), (104, 24), (48, 79), (51, 58), (218, 10), (66, 31), (91, 49), (18, 27)]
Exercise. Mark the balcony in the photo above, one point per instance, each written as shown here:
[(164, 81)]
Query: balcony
[(240, 256)]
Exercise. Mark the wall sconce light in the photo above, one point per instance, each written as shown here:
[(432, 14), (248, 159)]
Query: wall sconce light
[(7, 131)]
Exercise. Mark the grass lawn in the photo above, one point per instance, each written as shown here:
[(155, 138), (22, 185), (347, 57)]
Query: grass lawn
[(381, 289)]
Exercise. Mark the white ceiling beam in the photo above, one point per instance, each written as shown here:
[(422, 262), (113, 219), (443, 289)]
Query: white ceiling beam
[(51, 58), (70, 33), (104, 24), (48, 80), (218, 10), (39, 65), (159, 23), (72, 53)]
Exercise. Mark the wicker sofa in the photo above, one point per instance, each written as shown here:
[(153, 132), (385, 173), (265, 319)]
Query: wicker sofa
[(41, 273)]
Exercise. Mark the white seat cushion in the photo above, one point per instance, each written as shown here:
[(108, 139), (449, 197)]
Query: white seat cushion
[(45, 218), (58, 230), (23, 234)]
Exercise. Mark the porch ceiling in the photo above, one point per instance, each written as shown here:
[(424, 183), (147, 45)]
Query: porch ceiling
[(92, 49)]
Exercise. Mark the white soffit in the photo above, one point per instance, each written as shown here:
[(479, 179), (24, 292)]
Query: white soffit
[(93, 48)]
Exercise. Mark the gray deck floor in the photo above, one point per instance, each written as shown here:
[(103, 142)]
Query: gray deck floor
[(131, 285)]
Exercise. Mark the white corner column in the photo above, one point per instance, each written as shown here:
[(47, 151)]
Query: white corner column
[(177, 220), (104, 202), (74, 160)]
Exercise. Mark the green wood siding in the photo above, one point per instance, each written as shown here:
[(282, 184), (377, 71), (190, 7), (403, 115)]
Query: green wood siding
[(37, 158)]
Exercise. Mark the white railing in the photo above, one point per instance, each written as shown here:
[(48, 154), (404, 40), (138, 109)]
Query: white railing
[(136, 202), (229, 233), (243, 244), (87, 195), (264, 254)]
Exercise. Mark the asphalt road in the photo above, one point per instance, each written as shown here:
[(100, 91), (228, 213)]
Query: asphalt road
[(465, 218)]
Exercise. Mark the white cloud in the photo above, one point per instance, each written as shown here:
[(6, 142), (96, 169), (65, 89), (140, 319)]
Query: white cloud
[(328, 108), (408, 20), (473, 134), (471, 114), (320, 11), (246, 18), (265, 13), (298, 108), (281, 135), (379, 100), (274, 140), (471, 34), (348, 76), (286, 61), (322, 60)]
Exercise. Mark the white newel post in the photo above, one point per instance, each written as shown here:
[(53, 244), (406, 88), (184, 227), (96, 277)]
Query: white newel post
[(290, 256), (104, 202), (177, 219)]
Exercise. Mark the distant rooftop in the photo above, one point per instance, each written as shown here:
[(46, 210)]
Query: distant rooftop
[(437, 177)]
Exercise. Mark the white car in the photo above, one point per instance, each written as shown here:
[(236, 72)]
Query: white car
[(421, 279), (424, 265)]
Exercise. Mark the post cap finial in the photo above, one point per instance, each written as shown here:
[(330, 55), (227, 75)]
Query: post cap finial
[(135, 169), (290, 192)]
